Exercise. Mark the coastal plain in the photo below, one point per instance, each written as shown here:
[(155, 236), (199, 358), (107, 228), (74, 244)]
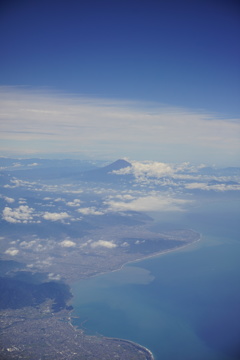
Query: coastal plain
[(29, 331)]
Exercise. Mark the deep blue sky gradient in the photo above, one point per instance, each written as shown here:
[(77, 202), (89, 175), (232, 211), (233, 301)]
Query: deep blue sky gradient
[(180, 53)]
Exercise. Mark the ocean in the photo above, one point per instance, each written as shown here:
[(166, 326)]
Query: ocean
[(180, 305)]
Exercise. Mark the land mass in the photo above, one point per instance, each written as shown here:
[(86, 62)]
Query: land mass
[(63, 221), (39, 321)]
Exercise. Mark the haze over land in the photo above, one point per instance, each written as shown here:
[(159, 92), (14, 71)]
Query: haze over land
[(119, 140)]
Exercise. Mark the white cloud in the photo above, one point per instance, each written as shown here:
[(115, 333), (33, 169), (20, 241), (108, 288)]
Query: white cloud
[(22, 214), (33, 164), (52, 276), (196, 185), (22, 201), (12, 251), (17, 183), (147, 169), (125, 244), (30, 266), (27, 244), (90, 211), (55, 216), (124, 197), (74, 203), (67, 243), (149, 203), (105, 127), (103, 243), (7, 199)]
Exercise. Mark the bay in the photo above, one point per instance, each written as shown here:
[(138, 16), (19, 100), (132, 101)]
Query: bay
[(181, 305)]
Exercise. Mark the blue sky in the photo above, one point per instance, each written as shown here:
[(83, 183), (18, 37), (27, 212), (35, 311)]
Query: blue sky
[(150, 57)]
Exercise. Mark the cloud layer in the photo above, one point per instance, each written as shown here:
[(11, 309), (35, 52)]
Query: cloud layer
[(40, 122)]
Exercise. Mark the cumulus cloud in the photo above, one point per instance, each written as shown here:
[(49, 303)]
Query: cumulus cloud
[(55, 216), (149, 203), (74, 203), (103, 243), (147, 168), (22, 214), (90, 211), (55, 277), (7, 199), (67, 243), (12, 251)]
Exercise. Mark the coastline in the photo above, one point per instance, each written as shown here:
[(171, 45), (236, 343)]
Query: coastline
[(136, 345), (139, 347), (164, 252)]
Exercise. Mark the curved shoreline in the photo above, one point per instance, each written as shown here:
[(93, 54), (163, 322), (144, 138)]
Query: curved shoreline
[(149, 354), (139, 346), (136, 345), (148, 257)]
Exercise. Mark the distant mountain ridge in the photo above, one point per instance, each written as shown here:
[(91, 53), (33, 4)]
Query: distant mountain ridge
[(117, 165), (105, 174), (74, 170)]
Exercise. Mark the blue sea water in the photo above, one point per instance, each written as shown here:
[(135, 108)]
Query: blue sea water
[(181, 305)]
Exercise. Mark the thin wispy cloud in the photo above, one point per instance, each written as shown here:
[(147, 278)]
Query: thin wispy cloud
[(118, 128)]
